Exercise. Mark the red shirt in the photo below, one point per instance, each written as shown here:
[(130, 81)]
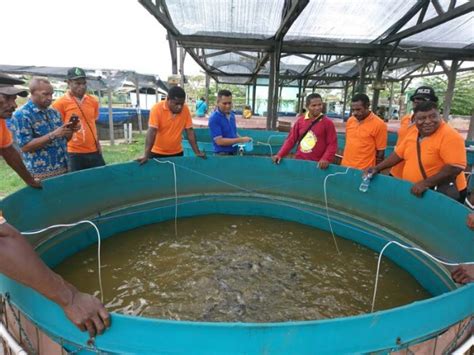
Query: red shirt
[(320, 143)]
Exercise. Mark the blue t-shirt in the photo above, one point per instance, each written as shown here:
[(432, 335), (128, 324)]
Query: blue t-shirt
[(220, 125), (30, 122), (201, 108)]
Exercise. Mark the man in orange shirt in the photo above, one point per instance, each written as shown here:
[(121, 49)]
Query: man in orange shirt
[(422, 94), (84, 147), (366, 136), (12, 157), (442, 153), (167, 121)]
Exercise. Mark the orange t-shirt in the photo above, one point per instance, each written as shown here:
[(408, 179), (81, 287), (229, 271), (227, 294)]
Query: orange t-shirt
[(170, 128), (405, 126), (363, 140), (84, 140), (6, 138), (444, 147)]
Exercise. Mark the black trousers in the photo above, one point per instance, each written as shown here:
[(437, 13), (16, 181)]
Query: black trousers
[(156, 155), (81, 161)]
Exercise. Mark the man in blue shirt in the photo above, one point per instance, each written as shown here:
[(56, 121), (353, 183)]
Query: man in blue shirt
[(40, 132), (222, 127), (201, 107)]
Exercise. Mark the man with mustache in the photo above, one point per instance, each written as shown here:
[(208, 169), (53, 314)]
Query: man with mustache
[(436, 147), (18, 259), (40, 132)]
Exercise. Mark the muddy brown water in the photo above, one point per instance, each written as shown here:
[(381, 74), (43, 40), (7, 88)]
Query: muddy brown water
[(238, 269)]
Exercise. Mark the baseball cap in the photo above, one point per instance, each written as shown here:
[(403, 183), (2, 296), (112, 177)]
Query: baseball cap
[(76, 73), (426, 93), (7, 86)]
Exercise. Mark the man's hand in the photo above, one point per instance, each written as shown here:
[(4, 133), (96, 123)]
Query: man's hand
[(87, 313), (142, 160), (419, 188), (35, 183), (470, 220), (463, 274), (64, 131), (245, 139), (276, 159), (323, 164), (370, 171), (201, 155)]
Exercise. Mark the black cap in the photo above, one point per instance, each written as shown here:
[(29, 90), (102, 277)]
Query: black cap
[(7, 88), (76, 73), (426, 93)]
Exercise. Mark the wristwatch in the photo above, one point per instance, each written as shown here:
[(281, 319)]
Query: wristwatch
[(51, 137)]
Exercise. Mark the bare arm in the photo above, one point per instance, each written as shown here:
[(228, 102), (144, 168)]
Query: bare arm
[(19, 261), (231, 141), (13, 159), (40, 142), (192, 140), (149, 141), (392, 160), (380, 156), (447, 173)]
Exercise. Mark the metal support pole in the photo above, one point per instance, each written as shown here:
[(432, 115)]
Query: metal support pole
[(362, 71), (182, 55), (173, 53), (157, 96), (254, 94), (390, 101), (139, 111), (378, 81), (448, 97), (111, 117), (344, 102), (272, 115), (470, 131), (298, 105), (208, 82)]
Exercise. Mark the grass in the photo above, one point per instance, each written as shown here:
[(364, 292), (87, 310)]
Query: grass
[(11, 182)]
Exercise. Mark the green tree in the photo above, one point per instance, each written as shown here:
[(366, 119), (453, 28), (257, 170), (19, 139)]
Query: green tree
[(463, 99)]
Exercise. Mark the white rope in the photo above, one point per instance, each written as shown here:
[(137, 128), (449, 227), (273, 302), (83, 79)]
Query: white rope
[(409, 248), (327, 207), (268, 145), (98, 245), (175, 193)]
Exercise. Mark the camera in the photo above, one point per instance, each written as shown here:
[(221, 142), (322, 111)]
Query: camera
[(74, 120)]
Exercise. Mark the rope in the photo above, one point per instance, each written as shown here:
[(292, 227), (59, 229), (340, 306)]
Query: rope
[(408, 248), (268, 145), (175, 192), (327, 207), (98, 246)]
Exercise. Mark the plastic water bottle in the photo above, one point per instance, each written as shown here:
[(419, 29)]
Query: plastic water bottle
[(364, 185)]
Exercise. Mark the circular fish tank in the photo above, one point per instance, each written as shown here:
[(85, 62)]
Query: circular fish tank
[(123, 197)]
